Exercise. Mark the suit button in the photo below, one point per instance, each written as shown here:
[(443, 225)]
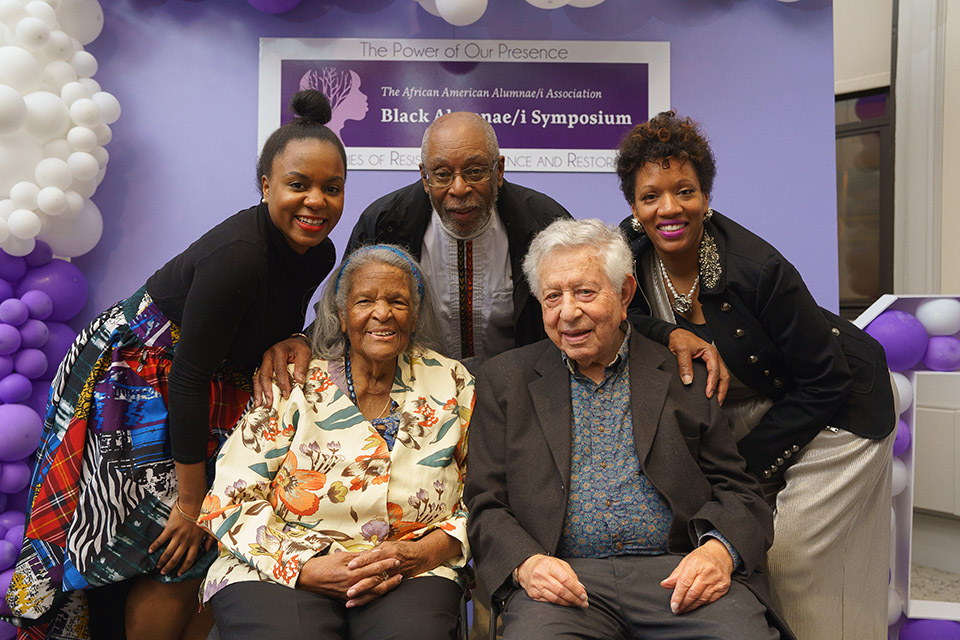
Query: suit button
[(777, 382), (725, 306), (779, 462), (835, 331), (619, 546), (753, 359), (600, 428), (767, 473), (794, 448), (739, 333), (603, 464), (609, 503), (787, 453)]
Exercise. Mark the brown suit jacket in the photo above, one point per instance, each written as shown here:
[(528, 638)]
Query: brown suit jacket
[(519, 462)]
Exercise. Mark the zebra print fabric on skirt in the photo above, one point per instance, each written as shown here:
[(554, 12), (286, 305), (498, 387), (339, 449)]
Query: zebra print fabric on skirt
[(105, 483)]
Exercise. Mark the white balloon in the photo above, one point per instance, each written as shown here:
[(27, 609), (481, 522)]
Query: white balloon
[(894, 606), (84, 63), (900, 477), (90, 84), (52, 201), (82, 139), (101, 155), (59, 46), (13, 110), (101, 174), (43, 11), (53, 3), (19, 69), (109, 106), (73, 91), (52, 172), (430, 6), (584, 4), (547, 4), (11, 12), (57, 74), (85, 188), (19, 154), (85, 112), (58, 148), (18, 246), (78, 236), (6, 208), (32, 34), (75, 203), (4, 230), (24, 224), (82, 19), (104, 134), (904, 390), (460, 13), (83, 165), (940, 316), (47, 116), (24, 195)]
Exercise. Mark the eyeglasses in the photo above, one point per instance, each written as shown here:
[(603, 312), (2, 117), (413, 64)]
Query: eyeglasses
[(442, 178)]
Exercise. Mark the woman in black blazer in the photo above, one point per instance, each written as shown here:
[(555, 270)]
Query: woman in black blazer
[(810, 400)]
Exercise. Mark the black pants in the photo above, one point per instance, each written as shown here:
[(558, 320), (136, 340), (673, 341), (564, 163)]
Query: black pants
[(418, 609)]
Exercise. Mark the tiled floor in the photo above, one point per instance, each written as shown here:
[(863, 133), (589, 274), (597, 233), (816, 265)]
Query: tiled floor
[(927, 583)]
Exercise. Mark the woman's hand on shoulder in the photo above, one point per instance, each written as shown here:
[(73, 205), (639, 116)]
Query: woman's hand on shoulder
[(274, 367), (356, 578)]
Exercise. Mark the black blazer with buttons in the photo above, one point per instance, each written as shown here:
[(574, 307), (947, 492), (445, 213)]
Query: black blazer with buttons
[(819, 369), (401, 217)]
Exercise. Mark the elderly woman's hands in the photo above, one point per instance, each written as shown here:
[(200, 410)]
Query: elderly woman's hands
[(356, 578), (417, 556)]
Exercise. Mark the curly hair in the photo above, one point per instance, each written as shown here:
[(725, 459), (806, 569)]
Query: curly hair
[(663, 137)]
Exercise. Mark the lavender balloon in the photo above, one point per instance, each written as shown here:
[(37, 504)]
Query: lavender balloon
[(33, 333), (38, 303), (902, 336), (63, 282), (8, 555), (6, 366), (12, 268), (13, 311), (30, 363), (10, 519), (20, 429), (15, 388), (943, 354), (61, 337), (38, 397), (6, 291), (15, 536), (929, 630), (274, 6), (14, 477), (901, 441), (10, 339)]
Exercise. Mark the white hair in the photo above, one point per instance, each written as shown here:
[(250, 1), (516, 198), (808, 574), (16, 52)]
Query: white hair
[(608, 242)]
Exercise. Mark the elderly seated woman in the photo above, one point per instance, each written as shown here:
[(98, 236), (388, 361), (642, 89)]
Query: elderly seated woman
[(338, 510)]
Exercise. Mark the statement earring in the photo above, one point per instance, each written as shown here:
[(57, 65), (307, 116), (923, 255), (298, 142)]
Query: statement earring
[(708, 214), (637, 226)]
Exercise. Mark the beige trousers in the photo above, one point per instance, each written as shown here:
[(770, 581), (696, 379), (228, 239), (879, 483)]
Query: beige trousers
[(829, 561)]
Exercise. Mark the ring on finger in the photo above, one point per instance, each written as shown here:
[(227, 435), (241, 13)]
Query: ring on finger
[(383, 576)]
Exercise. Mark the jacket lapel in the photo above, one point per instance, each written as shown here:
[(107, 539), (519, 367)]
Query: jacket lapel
[(648, 392), (551, 400)]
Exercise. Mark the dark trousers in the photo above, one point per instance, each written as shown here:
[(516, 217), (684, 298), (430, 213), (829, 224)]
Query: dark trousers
[(418, 609), (628, 603)]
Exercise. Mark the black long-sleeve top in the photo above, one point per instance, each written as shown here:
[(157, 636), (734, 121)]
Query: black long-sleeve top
[(234, 292)]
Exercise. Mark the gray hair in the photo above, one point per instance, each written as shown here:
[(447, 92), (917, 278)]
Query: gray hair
[(608, 242), (493, 147), (328, 340)]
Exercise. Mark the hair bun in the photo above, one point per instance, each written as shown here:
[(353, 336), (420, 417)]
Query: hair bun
[(311, 105)]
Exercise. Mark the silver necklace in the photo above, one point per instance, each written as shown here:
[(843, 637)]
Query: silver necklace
[(681, 303)]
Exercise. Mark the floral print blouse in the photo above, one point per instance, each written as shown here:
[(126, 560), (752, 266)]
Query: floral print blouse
[(310, 475)]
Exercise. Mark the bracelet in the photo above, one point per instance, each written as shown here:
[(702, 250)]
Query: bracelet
[(300, 334), (183, 513)]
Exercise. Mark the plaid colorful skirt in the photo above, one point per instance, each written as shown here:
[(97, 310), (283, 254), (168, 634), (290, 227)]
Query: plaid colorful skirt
[(105, 481)]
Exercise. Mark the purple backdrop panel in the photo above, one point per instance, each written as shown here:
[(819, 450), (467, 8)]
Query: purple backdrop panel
[(561, 106)]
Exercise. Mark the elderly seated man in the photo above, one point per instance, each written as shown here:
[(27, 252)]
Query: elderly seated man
[(607, 499)]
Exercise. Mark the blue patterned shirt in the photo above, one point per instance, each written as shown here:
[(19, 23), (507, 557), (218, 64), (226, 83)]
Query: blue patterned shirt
[(613, 508)]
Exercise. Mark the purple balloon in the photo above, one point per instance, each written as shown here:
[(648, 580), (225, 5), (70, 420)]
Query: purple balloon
[(3, 507), (31, 363), (15, 536), (18, 501), (274, 6), (8, 555), (20, 429), (38, 303), (33, 334), (10, 519), (902, 336), (14, 476), (38, 397), (15, 388), (12, 268), (901, 442), (6, 366), (41, 255), (13, 311), (10, 339), (943, 353), (63, 282), (929, 630), (7, 630), (6, 291), (61, 337)]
